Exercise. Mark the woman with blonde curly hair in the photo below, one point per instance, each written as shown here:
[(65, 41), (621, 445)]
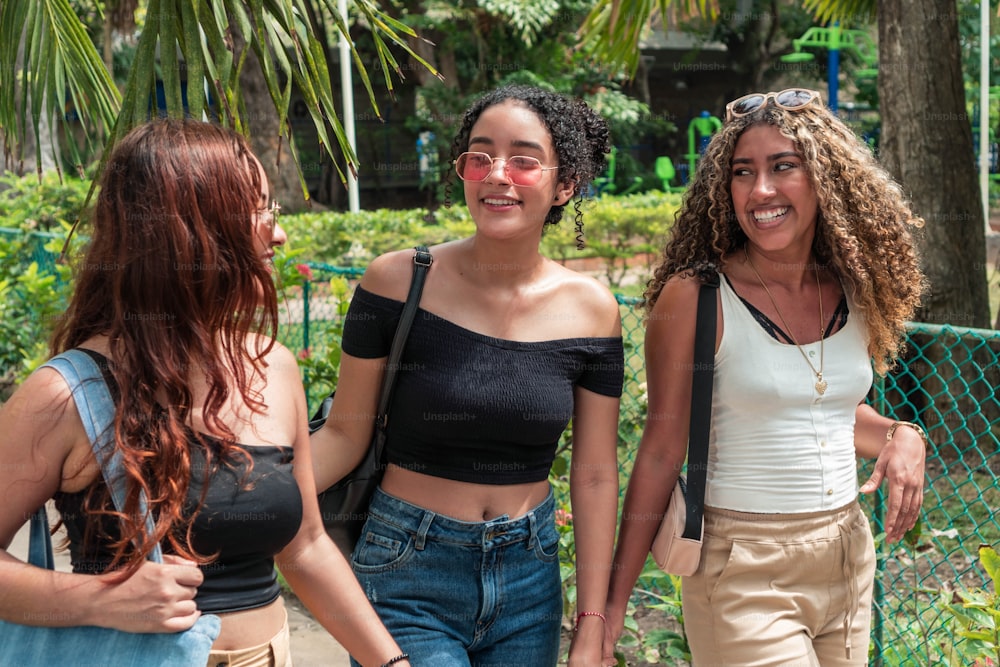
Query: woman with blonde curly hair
[(818, 274)]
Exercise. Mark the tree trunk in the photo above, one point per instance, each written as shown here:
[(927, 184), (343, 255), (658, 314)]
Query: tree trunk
[(927, 145), (265, 134)]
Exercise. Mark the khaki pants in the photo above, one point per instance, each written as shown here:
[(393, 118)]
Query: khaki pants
[(781, 590), (275, 653)]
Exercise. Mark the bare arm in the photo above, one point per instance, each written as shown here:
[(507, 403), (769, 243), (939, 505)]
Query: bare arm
[(342, 442), (42, 438), (315, 568), (900, 460), (594, 495), (669, 353)]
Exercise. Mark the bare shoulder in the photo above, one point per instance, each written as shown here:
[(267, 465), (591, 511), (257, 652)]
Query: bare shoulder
[(281, 364), (42, 392), (592, 299), (677, 303), (41, 426), (389, 275)]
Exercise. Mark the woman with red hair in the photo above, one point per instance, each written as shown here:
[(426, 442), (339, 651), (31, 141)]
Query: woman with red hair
[(175, 301)]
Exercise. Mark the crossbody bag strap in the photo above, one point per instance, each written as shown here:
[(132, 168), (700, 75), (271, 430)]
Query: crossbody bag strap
[(422, 260), (97, 412), (40, 541), (701, 407)]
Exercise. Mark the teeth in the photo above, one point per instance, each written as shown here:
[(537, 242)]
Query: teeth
[(770, 215), (498, 202)]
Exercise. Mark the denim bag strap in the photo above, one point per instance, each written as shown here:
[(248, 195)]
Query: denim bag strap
[(97, 411), (49, 645)]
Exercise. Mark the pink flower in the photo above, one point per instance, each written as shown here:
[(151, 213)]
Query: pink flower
[(305, 271), (563, 518), (304, 354)]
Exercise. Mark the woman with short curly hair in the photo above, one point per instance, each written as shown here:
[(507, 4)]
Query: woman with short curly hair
[(818, 273), (459, 554)]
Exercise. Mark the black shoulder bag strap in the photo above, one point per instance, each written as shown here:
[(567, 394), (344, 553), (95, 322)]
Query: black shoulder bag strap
[(701, 407), (422, 261)]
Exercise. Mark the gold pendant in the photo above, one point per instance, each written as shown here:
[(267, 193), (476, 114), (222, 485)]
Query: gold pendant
[(821, 385)]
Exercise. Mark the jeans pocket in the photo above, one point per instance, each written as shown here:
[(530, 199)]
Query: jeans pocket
[(381, 547), (546, 543)]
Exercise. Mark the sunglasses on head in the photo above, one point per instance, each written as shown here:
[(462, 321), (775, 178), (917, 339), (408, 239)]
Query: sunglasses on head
[(520, 169), (792, 99)]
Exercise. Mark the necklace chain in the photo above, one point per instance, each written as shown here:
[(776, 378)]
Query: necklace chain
[(821, 384)]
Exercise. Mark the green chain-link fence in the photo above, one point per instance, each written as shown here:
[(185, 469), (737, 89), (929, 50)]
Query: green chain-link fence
[(946, 382), (32, 247)]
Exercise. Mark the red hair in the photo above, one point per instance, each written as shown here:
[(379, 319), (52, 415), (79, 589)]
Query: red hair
[(172, 277)]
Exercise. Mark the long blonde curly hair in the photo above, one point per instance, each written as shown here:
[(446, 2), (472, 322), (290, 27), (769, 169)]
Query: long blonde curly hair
[(863, 224)]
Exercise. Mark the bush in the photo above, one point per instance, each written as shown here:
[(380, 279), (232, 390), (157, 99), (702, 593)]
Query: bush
[(33, 288), (615, 229)]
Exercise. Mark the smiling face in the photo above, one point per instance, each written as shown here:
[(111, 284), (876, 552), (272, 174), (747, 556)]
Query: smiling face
[(498, 206), (773, 196)]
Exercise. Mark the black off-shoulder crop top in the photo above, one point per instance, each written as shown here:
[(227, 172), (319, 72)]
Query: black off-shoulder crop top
[(474, 408), (244, 521)]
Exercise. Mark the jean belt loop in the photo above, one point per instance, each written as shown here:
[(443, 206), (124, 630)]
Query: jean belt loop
[(533, 529), (425, 525)]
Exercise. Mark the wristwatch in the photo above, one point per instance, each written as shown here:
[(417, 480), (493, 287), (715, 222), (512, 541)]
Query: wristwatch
[(916, 427)]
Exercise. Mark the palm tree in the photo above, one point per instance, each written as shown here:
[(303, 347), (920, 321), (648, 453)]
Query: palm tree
[(926, 135), (50, 62)]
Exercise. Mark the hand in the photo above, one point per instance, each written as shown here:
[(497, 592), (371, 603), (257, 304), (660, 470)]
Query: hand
[(902, 462), (156, 598)]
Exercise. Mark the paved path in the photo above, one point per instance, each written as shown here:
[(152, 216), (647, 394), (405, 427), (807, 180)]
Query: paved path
[(312, 646)]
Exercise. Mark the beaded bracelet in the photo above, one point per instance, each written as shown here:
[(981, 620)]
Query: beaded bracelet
[(399, 658), (589, 613)]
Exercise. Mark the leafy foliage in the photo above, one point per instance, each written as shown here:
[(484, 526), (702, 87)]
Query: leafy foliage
[(56, 49), (611, 31), (976, 617)]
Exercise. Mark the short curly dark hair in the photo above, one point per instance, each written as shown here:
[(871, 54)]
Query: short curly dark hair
[(580, 137)]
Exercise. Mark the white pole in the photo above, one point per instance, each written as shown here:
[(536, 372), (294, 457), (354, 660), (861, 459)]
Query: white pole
[(347, 93), (984, 108)]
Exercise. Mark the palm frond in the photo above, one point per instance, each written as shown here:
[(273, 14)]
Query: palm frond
[(59, 60), (49, 63), (847, 12), (613, 29)]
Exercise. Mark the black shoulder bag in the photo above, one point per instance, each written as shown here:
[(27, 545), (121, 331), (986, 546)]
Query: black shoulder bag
[(344, 506)]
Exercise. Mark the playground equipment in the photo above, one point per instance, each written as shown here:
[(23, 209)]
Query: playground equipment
[(606, 184), (665, 171), (835, 39), (700, 131)]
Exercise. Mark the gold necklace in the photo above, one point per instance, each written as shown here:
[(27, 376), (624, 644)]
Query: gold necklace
[(821, 384)]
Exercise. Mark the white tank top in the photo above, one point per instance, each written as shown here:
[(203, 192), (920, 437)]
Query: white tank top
[(776, 445)]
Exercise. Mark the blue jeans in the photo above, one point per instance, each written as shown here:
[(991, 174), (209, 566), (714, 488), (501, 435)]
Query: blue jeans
[(454, 593)]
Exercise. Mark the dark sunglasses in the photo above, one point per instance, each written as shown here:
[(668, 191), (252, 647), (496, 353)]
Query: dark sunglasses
[(792, 99)]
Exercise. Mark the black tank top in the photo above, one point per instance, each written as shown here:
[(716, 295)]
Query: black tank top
[(244, 522)]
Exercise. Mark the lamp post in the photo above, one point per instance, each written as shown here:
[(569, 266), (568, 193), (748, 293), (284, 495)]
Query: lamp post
[(834, 39), (347, 95)]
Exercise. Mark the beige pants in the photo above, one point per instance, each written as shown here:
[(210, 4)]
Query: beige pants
[(275, 653), (781, 590)]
